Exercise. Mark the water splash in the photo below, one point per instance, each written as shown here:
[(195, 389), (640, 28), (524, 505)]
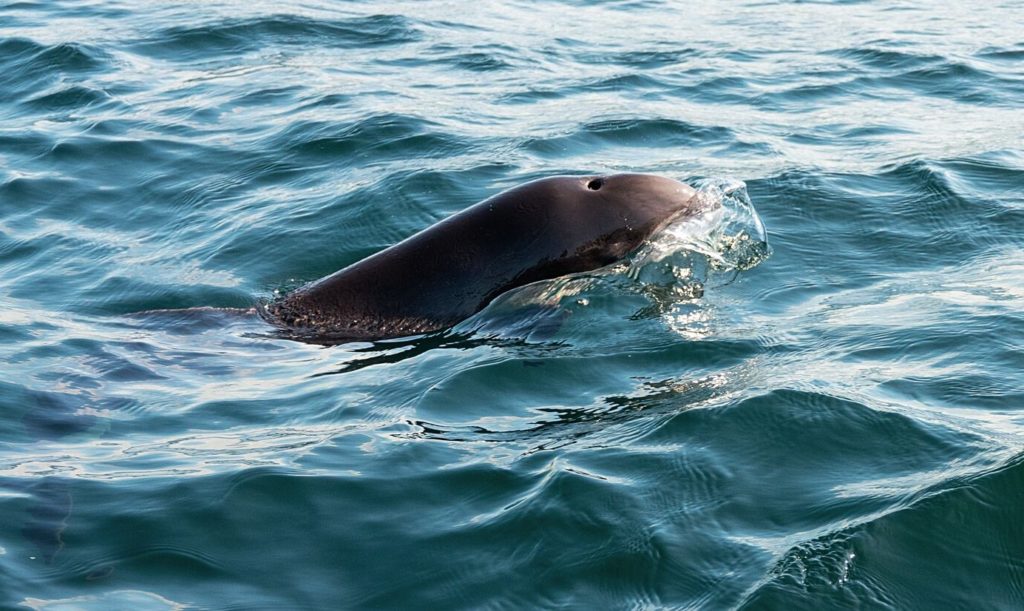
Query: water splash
[(672, 270), (728, 231), (707, 249)]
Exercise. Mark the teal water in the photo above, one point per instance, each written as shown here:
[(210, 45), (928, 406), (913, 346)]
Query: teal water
[(839, 426)]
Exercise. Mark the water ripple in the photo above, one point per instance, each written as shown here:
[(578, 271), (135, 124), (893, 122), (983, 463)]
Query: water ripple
[(837, 425)]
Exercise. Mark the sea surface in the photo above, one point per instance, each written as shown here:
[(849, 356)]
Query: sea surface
[(834, 419)]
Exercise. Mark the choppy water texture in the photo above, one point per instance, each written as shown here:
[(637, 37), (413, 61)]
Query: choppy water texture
[(838, 426)]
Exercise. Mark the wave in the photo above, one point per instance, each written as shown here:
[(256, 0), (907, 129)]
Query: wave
[(60, 71), (250, 34), (891, 559), (631, 132)]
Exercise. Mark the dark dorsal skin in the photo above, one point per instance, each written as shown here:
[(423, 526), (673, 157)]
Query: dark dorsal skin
[(451, 270)]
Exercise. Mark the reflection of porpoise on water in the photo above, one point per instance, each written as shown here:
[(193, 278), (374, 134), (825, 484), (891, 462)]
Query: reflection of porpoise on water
[(453, 269)]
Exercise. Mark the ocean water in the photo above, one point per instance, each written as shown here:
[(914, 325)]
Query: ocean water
[(837, 425)]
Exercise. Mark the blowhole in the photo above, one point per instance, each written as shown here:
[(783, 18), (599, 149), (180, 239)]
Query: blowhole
[(595, 184)]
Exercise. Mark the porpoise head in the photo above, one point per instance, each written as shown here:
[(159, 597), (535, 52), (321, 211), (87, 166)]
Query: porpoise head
[(608, 216)]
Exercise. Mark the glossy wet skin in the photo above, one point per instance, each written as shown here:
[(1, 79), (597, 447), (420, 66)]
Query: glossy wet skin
[(451, 270)]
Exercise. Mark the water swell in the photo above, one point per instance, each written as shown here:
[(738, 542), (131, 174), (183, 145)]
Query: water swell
[(887, 58), (221, 37), (368, 137), (28, 57), (631, 132), (45, 78), (858, 563)]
